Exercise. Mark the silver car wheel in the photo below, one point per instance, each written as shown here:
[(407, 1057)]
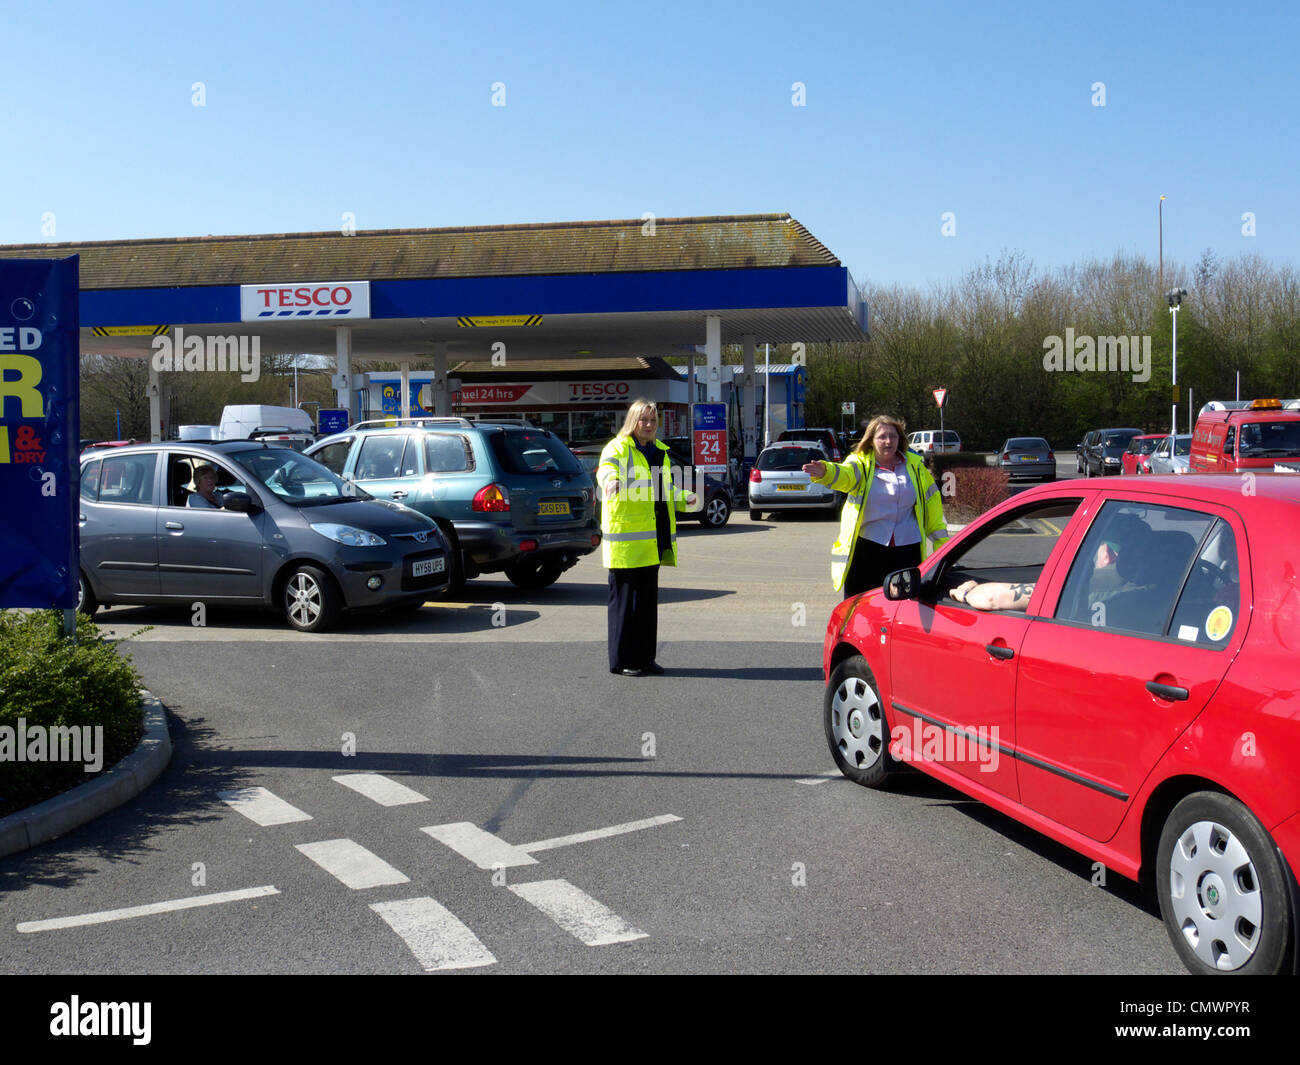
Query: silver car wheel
[(304, 599), (1215, 895), (857, 723), (716, 511)]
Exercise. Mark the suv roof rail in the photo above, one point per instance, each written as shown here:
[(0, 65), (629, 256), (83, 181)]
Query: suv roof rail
[(501, 419), (397, 423)]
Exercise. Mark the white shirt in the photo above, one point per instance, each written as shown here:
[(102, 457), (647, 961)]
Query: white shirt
[(890, 512)]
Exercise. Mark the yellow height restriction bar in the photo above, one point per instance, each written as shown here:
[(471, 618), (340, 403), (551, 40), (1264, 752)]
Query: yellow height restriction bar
[(502, 319), (131, 330)]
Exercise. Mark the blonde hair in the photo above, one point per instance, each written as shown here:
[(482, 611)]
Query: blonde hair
[(869, 434), (634, 412)]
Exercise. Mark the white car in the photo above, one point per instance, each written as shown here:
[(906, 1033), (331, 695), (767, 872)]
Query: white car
[(934, 441)]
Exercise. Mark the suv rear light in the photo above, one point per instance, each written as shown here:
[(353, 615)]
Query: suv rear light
[(491, 499), (1006, 456), (755, 477), (527, 545)]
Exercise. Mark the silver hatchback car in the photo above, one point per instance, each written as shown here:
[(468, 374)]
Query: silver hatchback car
[(285, 534), (777, 481)]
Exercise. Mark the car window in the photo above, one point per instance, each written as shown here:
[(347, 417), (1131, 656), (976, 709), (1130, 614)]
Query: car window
[(1014, 549), (295, 478), (90, 481), (789, 458), (334, 457), (1026, 443), (1270, 438), (1183, 445), (532, 452), (181, 482), (949, 437), (380, 457), (127, 479), (447, 453), (1208, 609), (1130, 567)]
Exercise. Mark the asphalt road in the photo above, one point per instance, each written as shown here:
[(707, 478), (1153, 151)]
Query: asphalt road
[(734, 847)]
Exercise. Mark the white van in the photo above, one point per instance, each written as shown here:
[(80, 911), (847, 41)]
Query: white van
[(934, 441), (279, 425)]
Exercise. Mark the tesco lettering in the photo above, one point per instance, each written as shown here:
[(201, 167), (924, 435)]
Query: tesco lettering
[(579, 390), (324, 296)]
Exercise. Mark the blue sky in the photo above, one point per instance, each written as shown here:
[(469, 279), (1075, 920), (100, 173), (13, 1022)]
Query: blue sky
[(384, 110)]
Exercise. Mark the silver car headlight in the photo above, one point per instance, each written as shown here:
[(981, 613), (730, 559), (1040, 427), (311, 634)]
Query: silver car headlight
[(348, 534)]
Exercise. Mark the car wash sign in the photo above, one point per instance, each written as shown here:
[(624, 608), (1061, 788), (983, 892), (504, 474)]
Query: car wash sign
[(39, 430)]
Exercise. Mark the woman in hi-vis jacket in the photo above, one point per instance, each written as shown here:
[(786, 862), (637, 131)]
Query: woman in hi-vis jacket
[(639, 534), (893, 514)]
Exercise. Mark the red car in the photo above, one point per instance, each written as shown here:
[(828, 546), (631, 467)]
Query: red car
[(1143, 708), (1135, 459)]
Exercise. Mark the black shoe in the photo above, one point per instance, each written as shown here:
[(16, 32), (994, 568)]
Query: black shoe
[(656, 669), (632, 672)]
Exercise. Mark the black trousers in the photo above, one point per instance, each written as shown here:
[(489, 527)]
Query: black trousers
[(872, 562), (633, 617)]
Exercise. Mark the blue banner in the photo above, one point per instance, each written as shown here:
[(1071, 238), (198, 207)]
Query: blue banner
[(40, 424)]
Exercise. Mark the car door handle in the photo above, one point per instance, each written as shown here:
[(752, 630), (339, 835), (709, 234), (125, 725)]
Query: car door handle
[(999, 652), (399, 494), (174, 526), (1167, 691)]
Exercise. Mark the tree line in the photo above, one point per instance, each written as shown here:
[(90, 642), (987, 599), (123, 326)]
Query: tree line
[(986, 336)]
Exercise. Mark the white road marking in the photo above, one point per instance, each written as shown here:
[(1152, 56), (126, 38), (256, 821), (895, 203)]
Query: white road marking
[(104, 916), (598, 833), (384, 791), (351, 863), (577, 912), (262, 807), (482, 848), (821, 779), (434, 934)]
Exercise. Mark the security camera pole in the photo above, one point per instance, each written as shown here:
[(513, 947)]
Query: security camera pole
[(1175, 297)]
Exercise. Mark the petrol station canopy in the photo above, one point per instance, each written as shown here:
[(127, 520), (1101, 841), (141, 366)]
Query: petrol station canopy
[(562, 290)]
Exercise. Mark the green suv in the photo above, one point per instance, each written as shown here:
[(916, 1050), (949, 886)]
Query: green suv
[(510, 497)]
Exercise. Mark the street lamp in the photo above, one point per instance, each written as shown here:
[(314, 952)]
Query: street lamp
[(1162, 242), (1175, 298)]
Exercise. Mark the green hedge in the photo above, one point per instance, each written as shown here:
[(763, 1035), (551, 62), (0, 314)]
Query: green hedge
[(48, 681)]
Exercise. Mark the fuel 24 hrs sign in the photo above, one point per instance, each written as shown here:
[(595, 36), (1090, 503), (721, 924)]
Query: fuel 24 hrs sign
[(709, 424), (39, 428)]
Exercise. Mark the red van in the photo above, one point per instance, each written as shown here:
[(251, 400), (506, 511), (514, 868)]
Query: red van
[(1236, 437)]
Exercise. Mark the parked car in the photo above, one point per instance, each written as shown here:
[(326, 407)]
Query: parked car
[(1232, 437), (1081, 449), (777, 481), (929, 442), (825, 438), (1103, 456), (1027, 457), (1141, 710), (1172, 455), (1137, 455), (510, 497), (289, 536)]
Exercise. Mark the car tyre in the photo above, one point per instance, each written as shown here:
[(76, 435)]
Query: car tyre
[(310, 600), (755, 515), (86, 602), (533, 573), (856, 727), (1223, 890), (716, 513)]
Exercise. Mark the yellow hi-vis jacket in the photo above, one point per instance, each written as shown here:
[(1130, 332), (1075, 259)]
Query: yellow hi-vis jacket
[(853, 477), (627, 522)]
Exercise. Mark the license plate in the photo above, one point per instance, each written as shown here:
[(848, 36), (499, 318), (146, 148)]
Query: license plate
[(1026, 458), (791, 487), (425, 566), (554, 508)]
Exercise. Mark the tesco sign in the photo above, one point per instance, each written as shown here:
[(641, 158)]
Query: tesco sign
[(590, 391), (312, 299)]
